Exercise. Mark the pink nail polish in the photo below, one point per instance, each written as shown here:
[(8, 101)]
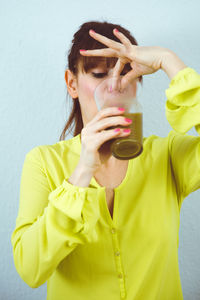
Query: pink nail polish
[(82, 50), (128, 120), (116, 30), (91, 30)]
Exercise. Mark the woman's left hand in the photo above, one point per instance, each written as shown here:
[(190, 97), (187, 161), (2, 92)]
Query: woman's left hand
[(143, 60)]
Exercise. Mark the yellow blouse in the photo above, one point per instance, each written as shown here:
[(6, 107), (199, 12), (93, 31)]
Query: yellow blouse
[(66, 236)]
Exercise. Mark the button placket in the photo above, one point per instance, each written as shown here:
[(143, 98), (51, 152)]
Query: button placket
[(118, 261)]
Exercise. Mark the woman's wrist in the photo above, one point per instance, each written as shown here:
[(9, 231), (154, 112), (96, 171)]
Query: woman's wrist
[(171, 64), (81, 176)]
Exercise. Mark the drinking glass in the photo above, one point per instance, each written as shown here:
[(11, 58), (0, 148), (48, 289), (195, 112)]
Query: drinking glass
[(109, 93)]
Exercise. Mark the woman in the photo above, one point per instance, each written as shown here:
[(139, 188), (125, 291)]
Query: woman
[(95, 227)]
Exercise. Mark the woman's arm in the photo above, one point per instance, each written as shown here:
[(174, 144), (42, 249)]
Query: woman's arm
[(144, 60), (183, 112), (171, 64), (50, 224)]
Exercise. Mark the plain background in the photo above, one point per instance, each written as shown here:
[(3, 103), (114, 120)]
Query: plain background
[(34, 39)]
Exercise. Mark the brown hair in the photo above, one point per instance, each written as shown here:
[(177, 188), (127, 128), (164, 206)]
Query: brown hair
[(82, 40)]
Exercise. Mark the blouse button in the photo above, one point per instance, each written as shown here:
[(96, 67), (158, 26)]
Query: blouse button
[(113, 230), (120, 275), (117, 253)]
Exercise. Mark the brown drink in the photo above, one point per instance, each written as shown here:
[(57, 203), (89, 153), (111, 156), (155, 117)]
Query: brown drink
[(132, 145)]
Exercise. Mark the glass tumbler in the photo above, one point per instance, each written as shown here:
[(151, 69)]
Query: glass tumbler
[(109, 93)]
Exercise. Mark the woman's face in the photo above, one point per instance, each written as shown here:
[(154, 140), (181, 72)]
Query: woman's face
[(86, 84)]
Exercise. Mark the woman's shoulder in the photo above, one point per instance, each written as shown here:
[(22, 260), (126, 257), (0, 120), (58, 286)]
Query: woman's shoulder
[(154, 138), (158, 145), (57, 150)]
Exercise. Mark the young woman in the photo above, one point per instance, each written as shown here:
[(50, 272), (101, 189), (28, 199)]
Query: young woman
[(93, 226)]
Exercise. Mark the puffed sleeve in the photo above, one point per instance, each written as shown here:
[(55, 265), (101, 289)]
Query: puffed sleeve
[(50, 224), (183, 101), (183, 112)]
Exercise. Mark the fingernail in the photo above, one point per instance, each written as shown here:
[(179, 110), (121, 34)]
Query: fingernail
[(126, 130), (128, 120), (116, 30), (120, 108), (92, 31), (82, 50), (116, 130)]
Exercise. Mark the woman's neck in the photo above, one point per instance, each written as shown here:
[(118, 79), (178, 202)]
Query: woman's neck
[(109, 161)]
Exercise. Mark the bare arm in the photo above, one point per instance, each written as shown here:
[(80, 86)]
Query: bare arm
[(81, 176)]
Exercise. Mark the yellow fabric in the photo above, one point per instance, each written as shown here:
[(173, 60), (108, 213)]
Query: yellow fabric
[(65, 235)]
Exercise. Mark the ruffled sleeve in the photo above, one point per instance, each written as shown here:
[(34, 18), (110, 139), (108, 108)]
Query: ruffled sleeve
[(50, 224), (183, 112), (183, 101), (80, 207)]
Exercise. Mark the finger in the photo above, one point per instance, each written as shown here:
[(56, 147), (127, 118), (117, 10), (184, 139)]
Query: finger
[(122, 38), (99, 52), (128, 78), (119, 66), (115, 82), (104, 40)]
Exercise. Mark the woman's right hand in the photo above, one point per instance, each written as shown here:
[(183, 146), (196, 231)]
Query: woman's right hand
[(93, 135)]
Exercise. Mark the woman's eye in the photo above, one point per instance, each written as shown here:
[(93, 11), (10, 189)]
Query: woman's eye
[(99, 75)]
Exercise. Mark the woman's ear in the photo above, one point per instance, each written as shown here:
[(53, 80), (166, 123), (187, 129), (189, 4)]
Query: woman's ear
[(71, 82)]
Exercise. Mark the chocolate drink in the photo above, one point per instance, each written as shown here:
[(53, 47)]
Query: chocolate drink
[(132, 145)]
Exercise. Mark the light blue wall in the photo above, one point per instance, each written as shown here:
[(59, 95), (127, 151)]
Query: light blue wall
[(34, 39)]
